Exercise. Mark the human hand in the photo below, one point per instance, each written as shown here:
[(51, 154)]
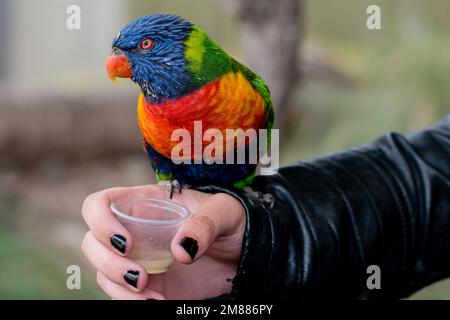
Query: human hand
[(216, 226)]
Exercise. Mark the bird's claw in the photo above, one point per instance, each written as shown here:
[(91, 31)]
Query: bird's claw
[(170, 185), (267, 198)]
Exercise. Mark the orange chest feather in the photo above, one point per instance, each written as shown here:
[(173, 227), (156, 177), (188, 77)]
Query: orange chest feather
[(230, 102)]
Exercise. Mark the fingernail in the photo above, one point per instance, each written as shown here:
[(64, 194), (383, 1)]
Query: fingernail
[(190, 246), (131, 277), (119, 242)]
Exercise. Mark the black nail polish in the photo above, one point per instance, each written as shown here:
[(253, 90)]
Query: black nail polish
[(131, 277), (190, 246), (119, 242)]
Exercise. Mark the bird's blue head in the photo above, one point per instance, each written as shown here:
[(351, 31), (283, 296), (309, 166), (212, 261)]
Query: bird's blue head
[(150, 51)]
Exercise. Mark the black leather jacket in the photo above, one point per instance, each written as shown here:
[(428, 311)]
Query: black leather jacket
[(384, 204)]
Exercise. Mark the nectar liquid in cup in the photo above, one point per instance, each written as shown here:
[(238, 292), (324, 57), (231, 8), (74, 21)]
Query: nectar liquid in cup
[(154, 261), (152, 224)]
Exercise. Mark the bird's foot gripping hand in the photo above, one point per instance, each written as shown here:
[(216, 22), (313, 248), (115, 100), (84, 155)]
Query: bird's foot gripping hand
[(171, 185), (267, 198)]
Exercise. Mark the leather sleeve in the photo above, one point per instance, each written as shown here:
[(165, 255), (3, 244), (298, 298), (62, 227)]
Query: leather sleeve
[(384, 204)]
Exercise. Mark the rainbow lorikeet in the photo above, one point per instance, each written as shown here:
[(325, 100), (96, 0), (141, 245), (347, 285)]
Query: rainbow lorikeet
[(185, 77)]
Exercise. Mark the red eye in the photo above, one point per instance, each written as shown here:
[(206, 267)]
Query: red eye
[(146, 44)]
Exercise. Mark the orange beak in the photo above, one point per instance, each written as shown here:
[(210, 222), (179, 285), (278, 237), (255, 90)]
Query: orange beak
[(117, 65)]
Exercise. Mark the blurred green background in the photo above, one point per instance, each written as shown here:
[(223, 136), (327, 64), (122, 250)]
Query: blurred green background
[(56, 103)]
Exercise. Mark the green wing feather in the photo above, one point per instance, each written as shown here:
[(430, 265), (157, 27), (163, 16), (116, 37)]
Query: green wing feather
[(260, 86), (207, 61)]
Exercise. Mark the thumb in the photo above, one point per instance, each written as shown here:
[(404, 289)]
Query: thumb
[(220, 215)]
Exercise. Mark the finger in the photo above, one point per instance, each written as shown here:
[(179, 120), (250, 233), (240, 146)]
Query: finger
[(118, 269), (119, 292), (105, 227), (101, 220), (220, 215)]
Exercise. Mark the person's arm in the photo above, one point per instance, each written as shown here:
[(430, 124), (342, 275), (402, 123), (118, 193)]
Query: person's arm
[(384, 204)]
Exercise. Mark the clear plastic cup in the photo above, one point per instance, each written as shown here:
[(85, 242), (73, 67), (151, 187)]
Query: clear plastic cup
[(152, 224)]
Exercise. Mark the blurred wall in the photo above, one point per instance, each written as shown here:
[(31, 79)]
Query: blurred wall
[(39, 49), (4, 39)]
